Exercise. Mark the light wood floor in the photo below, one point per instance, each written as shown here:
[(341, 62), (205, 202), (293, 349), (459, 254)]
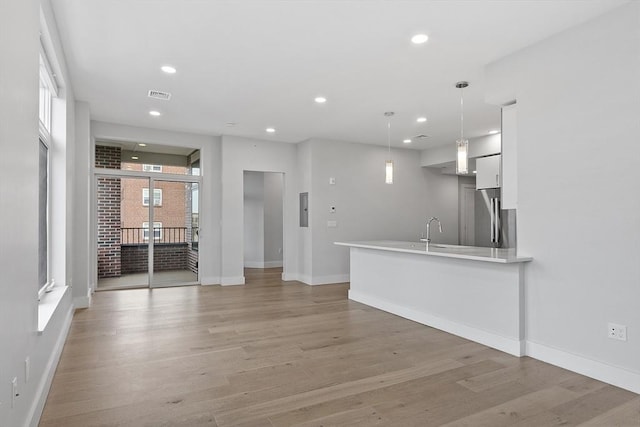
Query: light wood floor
[(281, 354)]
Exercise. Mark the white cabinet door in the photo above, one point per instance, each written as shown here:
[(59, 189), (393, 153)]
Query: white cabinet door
[(488, 172)]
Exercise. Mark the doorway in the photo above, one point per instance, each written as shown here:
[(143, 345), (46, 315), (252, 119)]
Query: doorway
[(147, 221), (263, 224)]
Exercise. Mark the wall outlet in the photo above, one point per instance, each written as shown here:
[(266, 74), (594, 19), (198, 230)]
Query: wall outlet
[(617, 332)]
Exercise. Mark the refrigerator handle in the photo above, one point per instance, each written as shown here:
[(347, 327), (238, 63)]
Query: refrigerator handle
[(495, 221)]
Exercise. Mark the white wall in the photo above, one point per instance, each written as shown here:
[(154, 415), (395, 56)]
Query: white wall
[(81, 210), (366, 207), (21, 23), (210, 158), (578, 97), (304, 168), (254, 219), (273, 220), (245, 154), (262, 219)]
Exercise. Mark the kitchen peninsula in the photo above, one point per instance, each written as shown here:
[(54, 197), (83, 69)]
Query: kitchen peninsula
[(476, 293)]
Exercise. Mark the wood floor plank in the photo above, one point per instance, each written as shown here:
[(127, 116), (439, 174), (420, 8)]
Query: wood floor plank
[(275, 353)]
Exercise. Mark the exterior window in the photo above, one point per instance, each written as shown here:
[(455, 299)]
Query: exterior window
[(195, 209), (44, 281), (152, 168), (157, 230), (157, 197), (47, 91)]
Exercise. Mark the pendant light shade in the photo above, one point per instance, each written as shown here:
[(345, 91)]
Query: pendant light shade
[(462, 145), (388, 165), (388, 168)]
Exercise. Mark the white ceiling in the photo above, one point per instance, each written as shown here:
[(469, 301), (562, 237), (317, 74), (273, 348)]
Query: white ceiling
[(261, 63)]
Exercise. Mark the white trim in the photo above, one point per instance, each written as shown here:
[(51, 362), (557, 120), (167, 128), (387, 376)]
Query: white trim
[(328, 280), (175, 285), (48, 305), (210, 281), (288, 277), (42, 391), (82, 302), (601, 371), (262, 264), (230, 281), (508, 345)]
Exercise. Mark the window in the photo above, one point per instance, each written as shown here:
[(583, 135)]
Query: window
[(157, 197), (152, 168), (157, 230), (44, 281), (47, 91), (195, 210)]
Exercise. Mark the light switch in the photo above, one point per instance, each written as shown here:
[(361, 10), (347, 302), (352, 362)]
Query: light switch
[(332, 224)]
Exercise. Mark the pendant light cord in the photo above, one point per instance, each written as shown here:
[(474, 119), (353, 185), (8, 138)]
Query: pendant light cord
[(389, 137), (461, 114)]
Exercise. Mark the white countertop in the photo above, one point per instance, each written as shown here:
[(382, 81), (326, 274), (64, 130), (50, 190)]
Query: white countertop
[(497, 255)]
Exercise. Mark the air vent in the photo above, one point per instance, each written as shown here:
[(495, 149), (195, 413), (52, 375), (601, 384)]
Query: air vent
[(157, 94)]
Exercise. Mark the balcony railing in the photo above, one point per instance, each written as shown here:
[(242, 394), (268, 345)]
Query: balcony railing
[(140, 235)]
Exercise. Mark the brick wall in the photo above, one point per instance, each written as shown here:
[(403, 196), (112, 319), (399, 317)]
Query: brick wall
[(165, 257), (109, 191)]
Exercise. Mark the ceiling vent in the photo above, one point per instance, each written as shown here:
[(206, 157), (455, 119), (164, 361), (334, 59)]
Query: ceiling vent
[(157, 94)]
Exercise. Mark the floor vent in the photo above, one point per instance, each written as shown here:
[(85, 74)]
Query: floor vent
[(157, 94)]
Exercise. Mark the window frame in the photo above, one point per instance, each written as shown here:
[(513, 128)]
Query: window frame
[(145, 231), (145, 199), (47, 91), (151, 168)]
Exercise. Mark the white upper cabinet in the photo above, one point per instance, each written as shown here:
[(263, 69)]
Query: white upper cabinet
[(509, 158), (488, 172)]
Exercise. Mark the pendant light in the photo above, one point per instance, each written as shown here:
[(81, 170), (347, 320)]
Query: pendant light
[(388, 165), (462, 145)]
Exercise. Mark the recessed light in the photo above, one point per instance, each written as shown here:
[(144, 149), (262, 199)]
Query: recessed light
[(270, 130), (421, 119), (320, 99), (493, 132), (419, 38), (134, 157), (168, 69), (407, 141), (142, 145), (154, 113)]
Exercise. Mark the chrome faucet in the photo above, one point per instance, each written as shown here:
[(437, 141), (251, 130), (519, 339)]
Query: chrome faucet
[(433, 218)]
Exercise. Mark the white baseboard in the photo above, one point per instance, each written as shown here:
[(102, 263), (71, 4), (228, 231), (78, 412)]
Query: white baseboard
[(619, 377), (82, 302), (330, 279), (43, 387), (230, 281), (316, 280), (287, 277), (211, 280), (508, 345), (273, 264), (262, 264)]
